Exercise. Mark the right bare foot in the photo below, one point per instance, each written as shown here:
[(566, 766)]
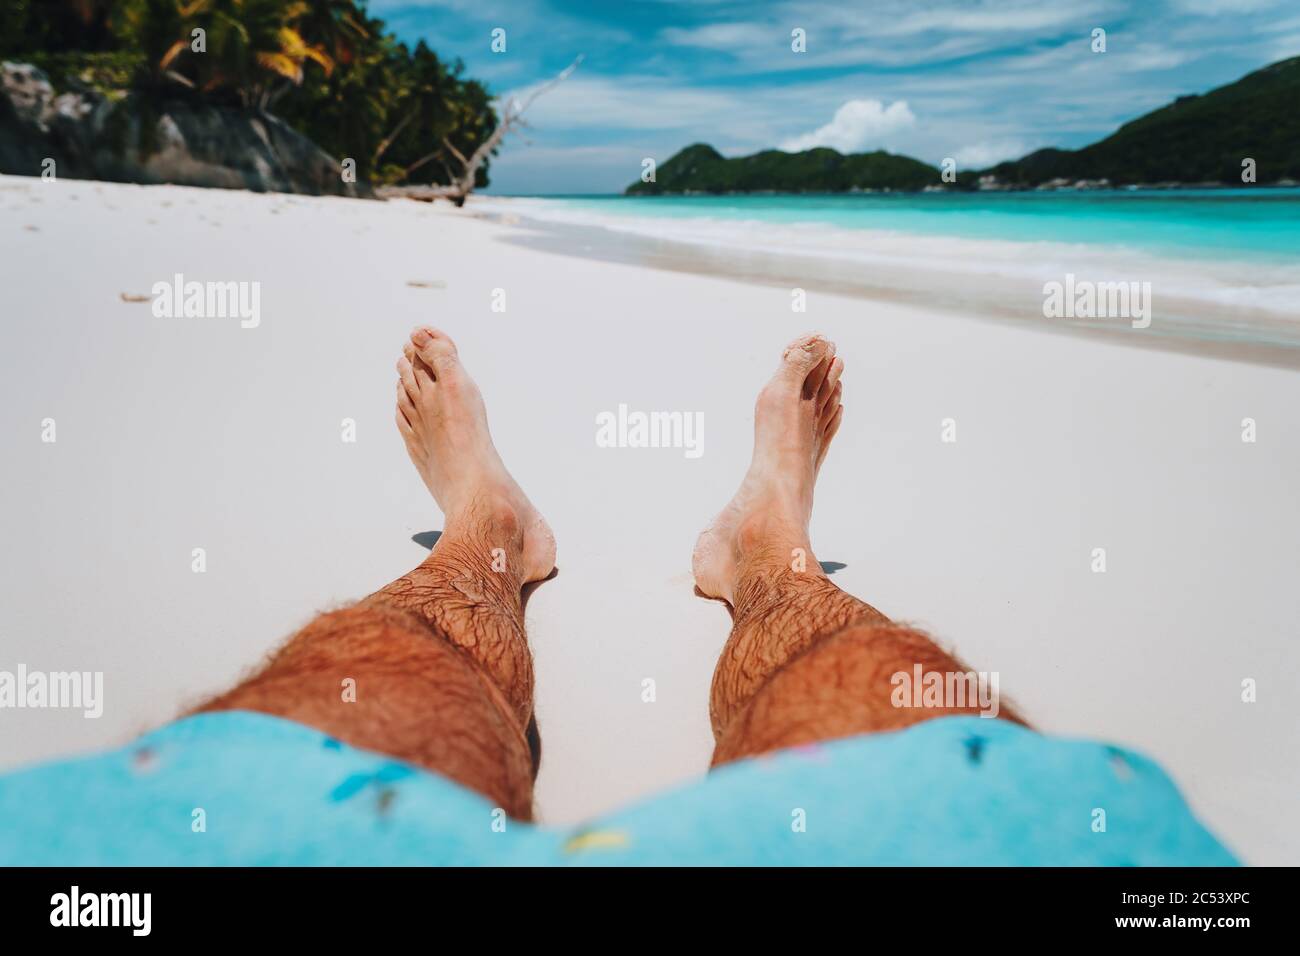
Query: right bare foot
[(441, 416), (797, 414)]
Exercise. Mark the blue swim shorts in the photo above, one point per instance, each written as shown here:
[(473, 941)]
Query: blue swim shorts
[(240, 788)]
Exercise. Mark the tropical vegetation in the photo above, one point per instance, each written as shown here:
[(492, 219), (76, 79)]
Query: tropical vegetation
[(326, 67)]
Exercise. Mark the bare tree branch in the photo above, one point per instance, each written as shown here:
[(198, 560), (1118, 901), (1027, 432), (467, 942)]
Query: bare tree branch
[(548, 85), (387, 141), (511, 118), (454, 151), (421, 161)]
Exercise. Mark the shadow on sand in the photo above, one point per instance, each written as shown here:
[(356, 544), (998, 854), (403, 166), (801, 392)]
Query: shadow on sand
[(426, 539)]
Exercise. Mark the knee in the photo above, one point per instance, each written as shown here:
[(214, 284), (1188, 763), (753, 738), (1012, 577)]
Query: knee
[(404, 663), (380, 679), (858, 661), (838, 687), (363, 633), (358, 662), (866, 650)]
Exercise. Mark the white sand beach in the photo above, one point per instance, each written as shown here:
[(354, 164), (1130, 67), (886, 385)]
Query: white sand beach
[(183, 433)]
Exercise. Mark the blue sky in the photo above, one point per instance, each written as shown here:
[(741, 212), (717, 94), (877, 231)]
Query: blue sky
[(978, 80)]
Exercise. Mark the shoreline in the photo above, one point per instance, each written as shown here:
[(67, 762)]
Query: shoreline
[(964, 286), (933, 190)]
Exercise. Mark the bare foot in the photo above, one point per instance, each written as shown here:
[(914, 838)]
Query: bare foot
[(797, 414), (441, 415)]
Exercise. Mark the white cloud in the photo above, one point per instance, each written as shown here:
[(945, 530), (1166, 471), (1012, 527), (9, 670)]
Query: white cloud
[(727, 36), (884, 32), (1214, 8), (627, 102), (857, 125), (1003, 18), (1151, 56), (1285, 47), (983, 155)]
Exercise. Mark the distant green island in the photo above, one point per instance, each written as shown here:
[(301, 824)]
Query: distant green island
[(1195, 140)]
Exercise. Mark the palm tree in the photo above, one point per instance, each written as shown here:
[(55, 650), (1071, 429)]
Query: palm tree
[(428, 92), (337, 26), (159, 30), (349, 111), (253, 46)]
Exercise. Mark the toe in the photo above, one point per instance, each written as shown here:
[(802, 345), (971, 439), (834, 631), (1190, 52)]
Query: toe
[(405, 403), (406, 372), (828, 385), (436, 348), (832, 426), (424, 377), (406, 410), (835, 399), (801, 357), (812, 386)]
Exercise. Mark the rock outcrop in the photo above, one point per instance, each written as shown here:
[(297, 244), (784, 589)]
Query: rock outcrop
[(131, 139)]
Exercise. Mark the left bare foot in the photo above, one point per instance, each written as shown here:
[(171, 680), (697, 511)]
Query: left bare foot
[(441, 416)]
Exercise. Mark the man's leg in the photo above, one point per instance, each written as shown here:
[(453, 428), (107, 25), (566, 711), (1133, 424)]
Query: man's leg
[(434, 668), (805, 661)]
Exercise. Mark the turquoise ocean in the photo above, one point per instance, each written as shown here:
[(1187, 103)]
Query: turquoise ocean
[(1222, 265), (1256, 224)]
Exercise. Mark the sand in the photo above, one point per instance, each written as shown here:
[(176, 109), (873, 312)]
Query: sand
[(175, 434)]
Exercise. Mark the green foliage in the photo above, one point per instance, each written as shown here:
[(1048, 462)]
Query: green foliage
[(324, 66), (109, 72), (701, 168), (1195, 139), (152, 28), (55, 26), (391, 108)]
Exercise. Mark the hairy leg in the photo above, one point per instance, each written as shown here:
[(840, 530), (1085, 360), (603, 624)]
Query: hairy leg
[(434, 668), (805, 661)]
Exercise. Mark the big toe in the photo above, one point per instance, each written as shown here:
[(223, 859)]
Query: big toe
[(436, 348), (804, 354)]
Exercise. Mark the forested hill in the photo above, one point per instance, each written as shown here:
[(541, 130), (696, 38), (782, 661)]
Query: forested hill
[(701, 168), (1196, 139)]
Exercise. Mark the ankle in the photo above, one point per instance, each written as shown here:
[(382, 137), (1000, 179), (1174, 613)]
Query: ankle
[(483, 544), (767, 537), (490, 517)]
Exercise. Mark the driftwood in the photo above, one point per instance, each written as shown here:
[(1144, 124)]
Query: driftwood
[(462, 184), (421, 193)]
